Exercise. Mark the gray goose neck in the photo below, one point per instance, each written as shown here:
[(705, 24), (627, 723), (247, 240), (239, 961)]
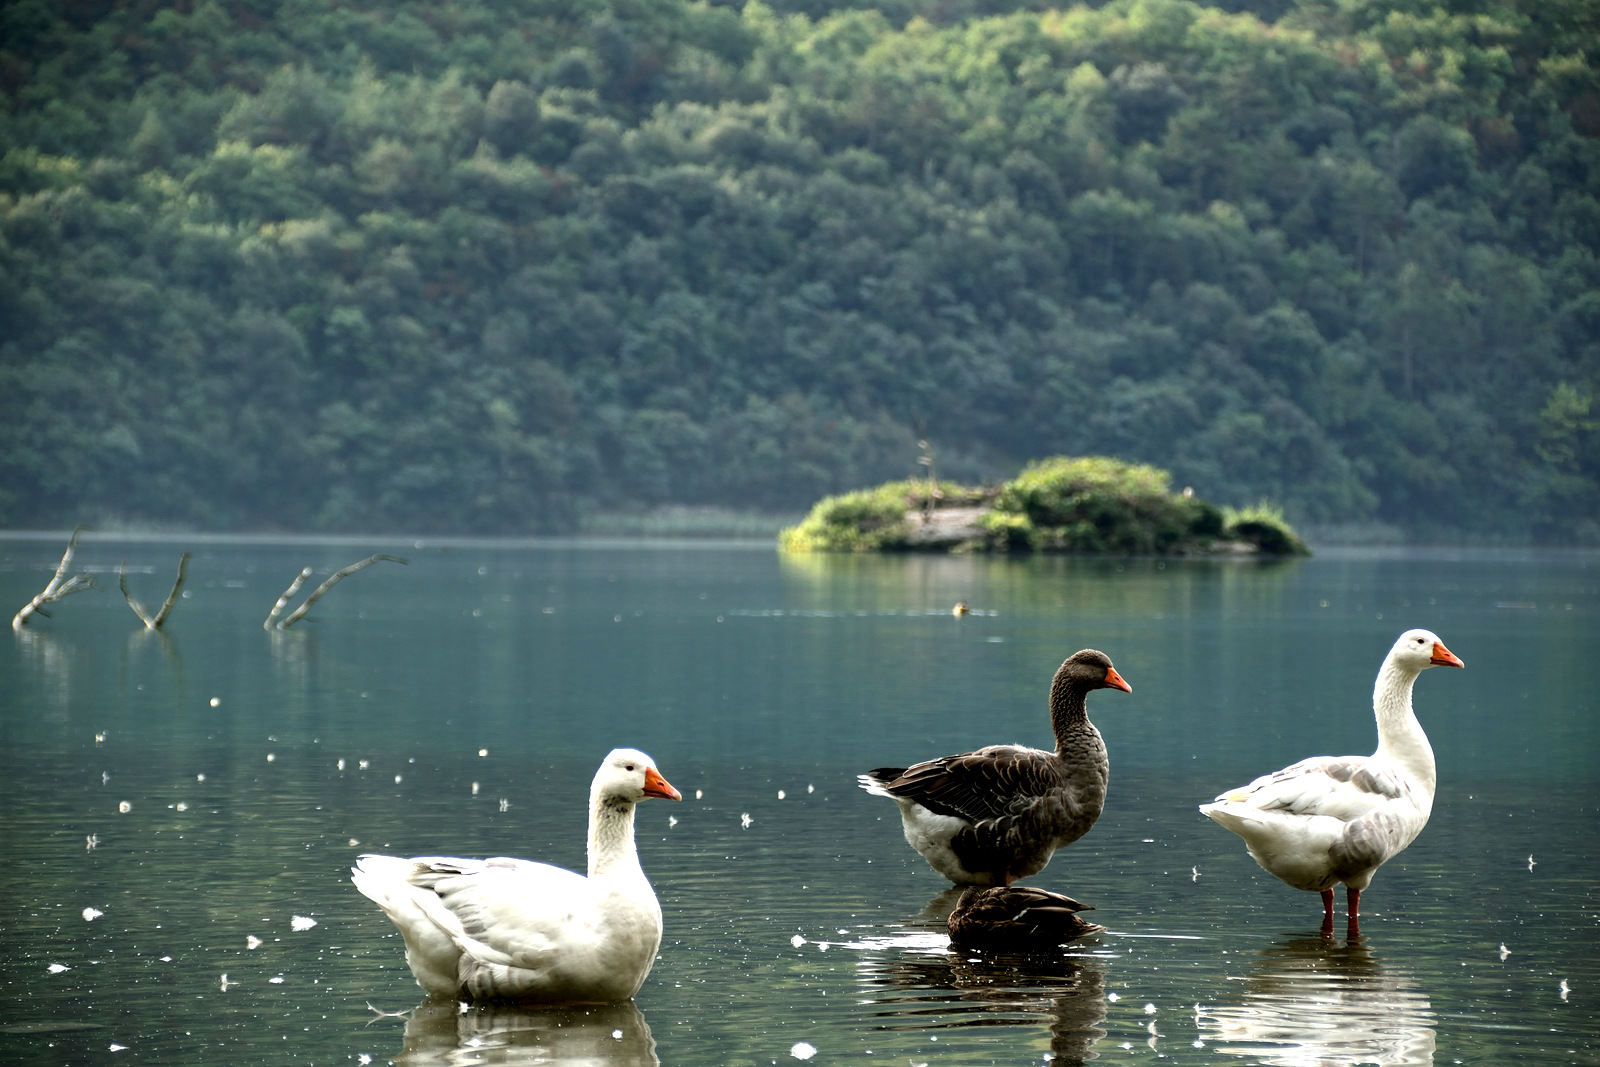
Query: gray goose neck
[(1069, 711)]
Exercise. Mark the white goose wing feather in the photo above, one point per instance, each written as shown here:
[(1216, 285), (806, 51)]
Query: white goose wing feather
[(1345, 788), (507, 911)]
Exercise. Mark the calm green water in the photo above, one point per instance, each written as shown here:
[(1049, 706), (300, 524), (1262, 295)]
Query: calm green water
[(762, 685)]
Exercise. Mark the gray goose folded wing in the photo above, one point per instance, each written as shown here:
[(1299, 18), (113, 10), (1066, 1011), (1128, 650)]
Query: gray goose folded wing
[(997, 782)]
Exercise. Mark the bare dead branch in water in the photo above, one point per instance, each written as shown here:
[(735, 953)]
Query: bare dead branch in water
[(177, 587), (343, 572), (138, 608), (153, 622), (294, 587), (57, 587)]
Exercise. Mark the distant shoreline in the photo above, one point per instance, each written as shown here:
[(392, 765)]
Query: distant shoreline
[(756, 528)]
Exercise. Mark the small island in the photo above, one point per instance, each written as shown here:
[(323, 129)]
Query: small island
[(1087, 505)]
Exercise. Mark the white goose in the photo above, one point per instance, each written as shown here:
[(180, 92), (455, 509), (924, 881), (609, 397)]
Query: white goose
[(1332, 819), (510, 929)]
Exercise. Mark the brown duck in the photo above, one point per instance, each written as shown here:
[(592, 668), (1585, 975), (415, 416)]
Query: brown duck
[(1017, 918), (995, 815)]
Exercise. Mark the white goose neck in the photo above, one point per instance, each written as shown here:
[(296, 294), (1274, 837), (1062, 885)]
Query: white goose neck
[(1400, 736), (611, 848)]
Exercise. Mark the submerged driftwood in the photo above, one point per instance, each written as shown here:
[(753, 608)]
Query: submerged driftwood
[(153, 622), (60, 586), (274, 623)]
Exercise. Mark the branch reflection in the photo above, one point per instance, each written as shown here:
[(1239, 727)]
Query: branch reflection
[(927, 986), (1310, 1002), (440, 1034), (144, 641), (293, 657), (51, 663)]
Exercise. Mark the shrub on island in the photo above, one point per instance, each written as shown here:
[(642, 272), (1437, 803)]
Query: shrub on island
[(1088, 505)]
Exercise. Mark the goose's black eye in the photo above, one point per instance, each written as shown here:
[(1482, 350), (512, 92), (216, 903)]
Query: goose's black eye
[(630, 766)]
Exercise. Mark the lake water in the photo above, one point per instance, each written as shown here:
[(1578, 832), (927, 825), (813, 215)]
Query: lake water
[(797, 918)]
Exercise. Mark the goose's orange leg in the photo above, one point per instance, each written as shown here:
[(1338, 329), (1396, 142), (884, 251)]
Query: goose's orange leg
[(1327, 913), (1353, 930)]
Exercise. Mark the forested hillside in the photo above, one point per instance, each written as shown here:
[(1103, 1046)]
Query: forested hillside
[(487, 265)]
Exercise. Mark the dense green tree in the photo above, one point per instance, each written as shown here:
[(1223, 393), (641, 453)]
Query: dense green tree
[(482, 267)]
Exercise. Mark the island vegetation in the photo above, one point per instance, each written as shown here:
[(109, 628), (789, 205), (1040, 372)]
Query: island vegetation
[(470, 266), (1093, 505)]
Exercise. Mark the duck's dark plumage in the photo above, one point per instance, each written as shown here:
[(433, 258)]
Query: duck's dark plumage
[(1017, 918), (992, 816)]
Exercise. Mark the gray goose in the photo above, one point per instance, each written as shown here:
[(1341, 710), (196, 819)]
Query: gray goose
[(995, 815), (1017, 918)]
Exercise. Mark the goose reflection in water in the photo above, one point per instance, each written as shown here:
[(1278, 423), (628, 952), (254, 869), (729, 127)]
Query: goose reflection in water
[(440, 1034), (1310, 1002), (919, 982)]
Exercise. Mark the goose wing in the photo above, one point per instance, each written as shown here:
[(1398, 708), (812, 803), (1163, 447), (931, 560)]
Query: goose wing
[(507, 911), (996, 782), (1346, 788)]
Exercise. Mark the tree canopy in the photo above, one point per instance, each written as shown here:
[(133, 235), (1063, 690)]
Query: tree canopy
[(486, 265)]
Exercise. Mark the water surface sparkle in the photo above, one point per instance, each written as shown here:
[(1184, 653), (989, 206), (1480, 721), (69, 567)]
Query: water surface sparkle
[(201, 793)]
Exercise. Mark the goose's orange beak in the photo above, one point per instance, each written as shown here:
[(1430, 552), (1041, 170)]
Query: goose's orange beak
[(1443, 657), (1114, 681), (657, 786)]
